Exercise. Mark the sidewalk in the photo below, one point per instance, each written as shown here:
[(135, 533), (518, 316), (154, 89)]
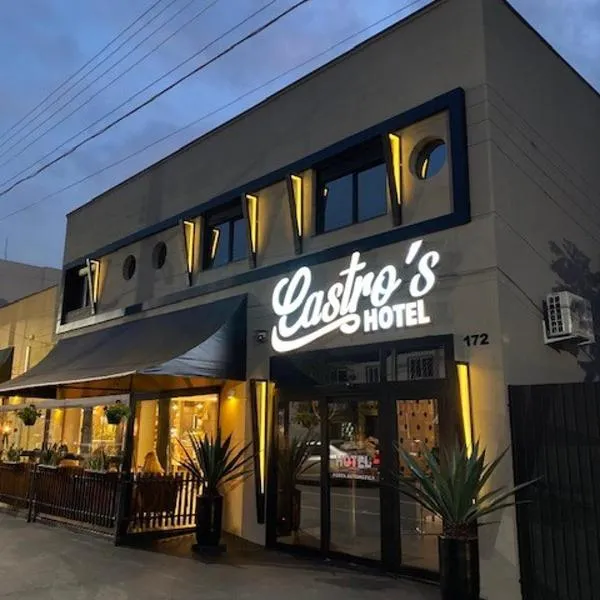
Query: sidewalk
[(42, 562)]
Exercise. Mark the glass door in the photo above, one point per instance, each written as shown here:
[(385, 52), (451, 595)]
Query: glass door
[(418, 427), (353, 482)]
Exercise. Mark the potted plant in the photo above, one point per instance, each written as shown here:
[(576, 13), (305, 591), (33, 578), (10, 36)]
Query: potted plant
[(29, 415), (453, 487), (115, 413), (49, 457), (13, 455), (291, 455), (97, 462), (215, 463)]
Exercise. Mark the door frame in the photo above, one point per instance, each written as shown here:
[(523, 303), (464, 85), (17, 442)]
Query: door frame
[(445, 390), (387, 395)]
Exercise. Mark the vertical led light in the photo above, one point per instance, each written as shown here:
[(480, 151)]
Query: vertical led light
[(297, 192), (214, 242), (95, 272), (252, 204), (261, 397), (259, 401), (189, 228), (464, 386), (396, 159)]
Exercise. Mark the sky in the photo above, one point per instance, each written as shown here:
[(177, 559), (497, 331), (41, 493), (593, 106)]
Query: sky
[(45, 42)]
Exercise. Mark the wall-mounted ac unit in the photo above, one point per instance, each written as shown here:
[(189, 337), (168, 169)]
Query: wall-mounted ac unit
[(568, 317)]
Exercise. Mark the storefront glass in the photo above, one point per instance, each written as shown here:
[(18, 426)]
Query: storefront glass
[(355, 518)]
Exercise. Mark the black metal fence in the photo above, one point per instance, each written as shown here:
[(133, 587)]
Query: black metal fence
[(161, 502), (556, 436), (119, 503)]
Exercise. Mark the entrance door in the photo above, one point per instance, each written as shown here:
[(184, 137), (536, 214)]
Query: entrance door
[(353, 499), (339, 495)]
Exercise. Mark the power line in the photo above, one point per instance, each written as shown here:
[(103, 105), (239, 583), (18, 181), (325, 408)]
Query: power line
[(206, 115), (79, 70), (64, 93), (138, 93), (110, 83), (155, 96)]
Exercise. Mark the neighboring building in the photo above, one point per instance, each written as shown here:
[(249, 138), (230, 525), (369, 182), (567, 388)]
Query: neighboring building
[(27, 329), (18, 280), (367, 240)]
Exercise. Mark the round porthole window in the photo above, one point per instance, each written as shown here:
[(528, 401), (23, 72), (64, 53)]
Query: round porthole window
[(129, 267), (159, 255), (430, 158)]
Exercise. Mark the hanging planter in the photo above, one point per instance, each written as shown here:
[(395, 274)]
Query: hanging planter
[(29, 415), (116, 413)]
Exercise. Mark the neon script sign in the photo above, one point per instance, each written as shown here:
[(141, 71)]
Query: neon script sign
[(306, 315)]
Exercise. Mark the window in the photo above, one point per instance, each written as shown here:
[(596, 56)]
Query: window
[(129, 267), (77, 287), (352, 188), (159, 255), (430, 158), (421, 367), (227, 238)]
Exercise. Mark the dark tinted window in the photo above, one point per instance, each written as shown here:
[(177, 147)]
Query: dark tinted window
[(372, 192), (352, 187), (240, 241), (337, 202)]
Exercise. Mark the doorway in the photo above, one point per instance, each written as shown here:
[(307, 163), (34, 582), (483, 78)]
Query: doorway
[(343, 499)]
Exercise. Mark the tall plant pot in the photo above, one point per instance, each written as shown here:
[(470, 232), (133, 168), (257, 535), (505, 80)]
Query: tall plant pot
[(459, 568), (288, 520), (209, 521)]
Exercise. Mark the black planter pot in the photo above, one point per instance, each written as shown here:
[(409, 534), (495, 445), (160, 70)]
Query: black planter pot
[(29, 421), (113, 419), (209, 520), (459, 568), (288, 520)]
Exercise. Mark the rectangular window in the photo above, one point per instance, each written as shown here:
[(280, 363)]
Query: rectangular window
[(226, 239), (352, 188), (76, 292)]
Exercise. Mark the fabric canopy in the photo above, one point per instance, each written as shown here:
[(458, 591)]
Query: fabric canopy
[(207, 340)]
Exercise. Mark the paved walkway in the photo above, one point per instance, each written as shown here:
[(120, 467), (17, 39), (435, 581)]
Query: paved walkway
[(42, 562)]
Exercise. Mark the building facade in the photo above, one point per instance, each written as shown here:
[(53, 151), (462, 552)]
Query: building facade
[(360, 261)]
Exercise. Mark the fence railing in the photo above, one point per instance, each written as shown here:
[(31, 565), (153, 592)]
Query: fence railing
[(162, 502), (131, 503)]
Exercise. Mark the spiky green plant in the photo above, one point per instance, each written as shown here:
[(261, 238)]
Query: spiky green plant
[(292, 454), (452, 487), (216, 462)]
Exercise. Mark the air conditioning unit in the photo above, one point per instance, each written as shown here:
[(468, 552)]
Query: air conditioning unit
[(568, 317)]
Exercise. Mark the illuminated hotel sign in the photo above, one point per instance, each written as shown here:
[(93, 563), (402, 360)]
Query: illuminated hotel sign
[(306, 315)]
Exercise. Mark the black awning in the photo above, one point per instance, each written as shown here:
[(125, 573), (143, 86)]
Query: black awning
[(207, 340)]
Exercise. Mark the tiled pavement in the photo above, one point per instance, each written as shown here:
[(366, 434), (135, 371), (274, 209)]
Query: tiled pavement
[(38, 561)]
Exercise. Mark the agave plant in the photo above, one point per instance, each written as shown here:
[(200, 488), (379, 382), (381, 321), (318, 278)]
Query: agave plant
[(452, 487), (216, 462)]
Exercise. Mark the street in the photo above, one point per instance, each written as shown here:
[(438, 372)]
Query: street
[(39, 562)]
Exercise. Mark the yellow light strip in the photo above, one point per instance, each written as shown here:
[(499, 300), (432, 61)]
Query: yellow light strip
[(214, 242), (465, 404), (297, 191), (190, 231), (396, 164), (252, 202), (95, 265), (261, 401)]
